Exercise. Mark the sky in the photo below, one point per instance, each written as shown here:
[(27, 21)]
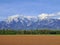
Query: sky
[(28, 7)]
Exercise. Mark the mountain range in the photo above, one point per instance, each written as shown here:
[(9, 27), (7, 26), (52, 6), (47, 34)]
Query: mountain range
[(20, 22)]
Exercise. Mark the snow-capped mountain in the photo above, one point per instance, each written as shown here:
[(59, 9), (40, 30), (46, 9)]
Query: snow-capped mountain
[(30, 22)]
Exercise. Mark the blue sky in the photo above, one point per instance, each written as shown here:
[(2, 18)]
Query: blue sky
[(28, 7)]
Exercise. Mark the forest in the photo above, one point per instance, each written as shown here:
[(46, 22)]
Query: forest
[(31, 32)]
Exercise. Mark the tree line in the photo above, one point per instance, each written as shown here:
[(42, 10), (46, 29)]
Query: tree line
[(33, 32)]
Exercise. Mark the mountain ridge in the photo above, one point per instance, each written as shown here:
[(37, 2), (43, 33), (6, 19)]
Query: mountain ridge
[(30, 22)]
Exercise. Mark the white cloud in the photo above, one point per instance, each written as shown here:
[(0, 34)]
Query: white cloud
[(43, 16), (53, 15), (59, 18), (58, 13), (40, 16)]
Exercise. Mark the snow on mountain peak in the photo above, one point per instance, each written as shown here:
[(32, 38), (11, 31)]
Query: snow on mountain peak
[(16, 17), (11, 18), (42, 16)]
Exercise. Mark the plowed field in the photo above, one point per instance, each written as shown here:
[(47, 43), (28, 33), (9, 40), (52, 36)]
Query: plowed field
[(29, 40)]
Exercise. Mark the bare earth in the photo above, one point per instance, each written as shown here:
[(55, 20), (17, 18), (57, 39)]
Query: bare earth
[(29, 40)]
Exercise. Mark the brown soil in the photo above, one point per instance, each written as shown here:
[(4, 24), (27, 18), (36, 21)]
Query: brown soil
[(29, 40)]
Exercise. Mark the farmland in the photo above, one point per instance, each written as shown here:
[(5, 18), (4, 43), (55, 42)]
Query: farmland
[(29, 40)]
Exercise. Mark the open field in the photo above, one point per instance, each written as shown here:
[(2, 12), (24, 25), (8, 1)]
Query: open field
[(29, 40)]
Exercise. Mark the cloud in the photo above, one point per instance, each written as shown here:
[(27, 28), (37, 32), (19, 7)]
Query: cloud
[(53, 15), (43, 16), (40, 16)]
